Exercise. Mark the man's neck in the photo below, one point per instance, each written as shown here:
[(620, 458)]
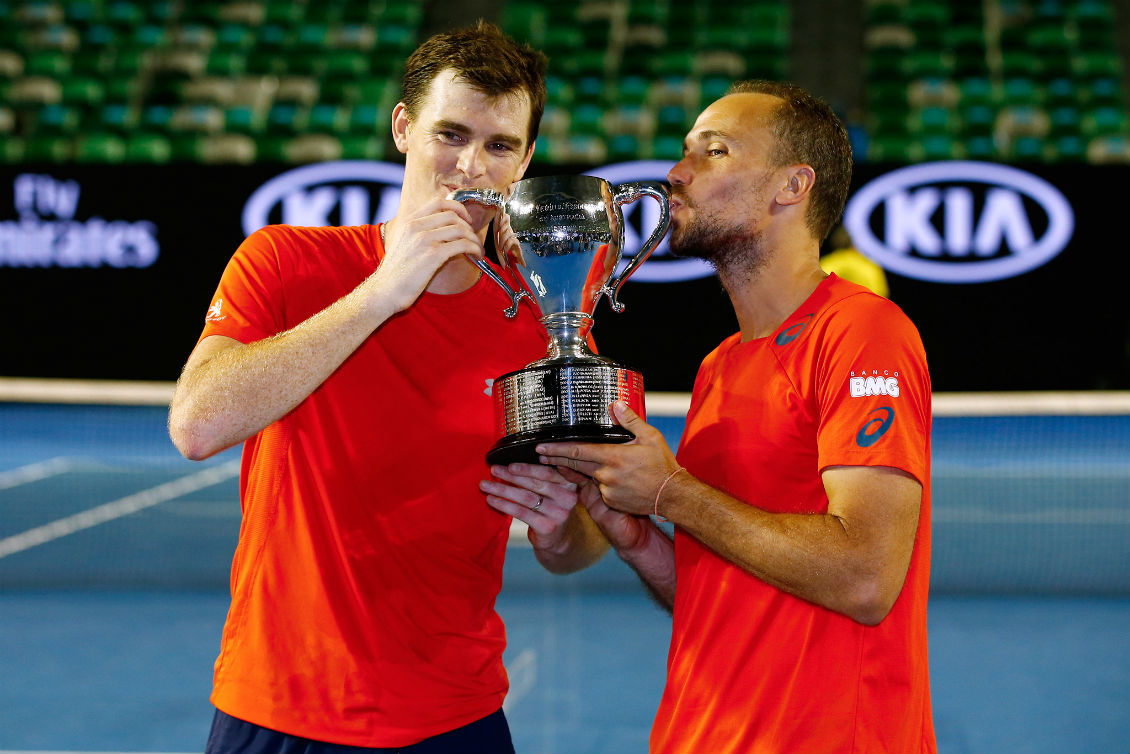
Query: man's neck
[(763, 301)]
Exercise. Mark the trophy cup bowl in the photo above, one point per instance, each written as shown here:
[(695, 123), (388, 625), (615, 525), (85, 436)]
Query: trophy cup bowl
[(559, 239)]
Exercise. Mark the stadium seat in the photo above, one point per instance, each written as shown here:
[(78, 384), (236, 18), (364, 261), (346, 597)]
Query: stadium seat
[(1109, 150), (1021, 121), (625, 147), (1105, 121), (48, 148), (936, 146), (58, 118), (630, 120), (367, 118), (1069, 148), (117, 116), (100, 148), (932, 120), (86, 92), (35, 90), (554, 122), (311, 147), (226, 148), (977, 120), (199, 117), (242, 119), (362, 147), (48, 63), (933, 92), (7, 121), (889, 148), (665, 147), (328, 118), (980, 147)]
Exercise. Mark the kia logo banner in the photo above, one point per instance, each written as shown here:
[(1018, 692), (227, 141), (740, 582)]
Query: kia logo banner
[(959, 222), (997, 265), (348, 192)]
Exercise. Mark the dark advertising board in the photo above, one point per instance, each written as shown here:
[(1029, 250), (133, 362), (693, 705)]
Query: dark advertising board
[(1014, 275)]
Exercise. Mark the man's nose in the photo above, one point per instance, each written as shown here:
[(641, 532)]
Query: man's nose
[(471, 160), (680, 174)]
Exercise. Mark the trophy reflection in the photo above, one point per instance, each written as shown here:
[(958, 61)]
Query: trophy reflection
[(559, 239)]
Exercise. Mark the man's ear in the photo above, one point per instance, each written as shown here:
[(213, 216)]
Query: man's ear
[(400, 126), (526, 162), (799, 181)]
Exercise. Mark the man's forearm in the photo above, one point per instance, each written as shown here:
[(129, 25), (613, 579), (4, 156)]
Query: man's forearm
[(852, 559), (654, 563), (239, 390)]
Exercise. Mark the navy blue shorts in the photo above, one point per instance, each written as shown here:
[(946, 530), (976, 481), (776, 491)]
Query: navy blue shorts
[(491, 735)]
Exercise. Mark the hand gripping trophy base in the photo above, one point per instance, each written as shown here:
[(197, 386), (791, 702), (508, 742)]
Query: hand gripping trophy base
[(561, 402)]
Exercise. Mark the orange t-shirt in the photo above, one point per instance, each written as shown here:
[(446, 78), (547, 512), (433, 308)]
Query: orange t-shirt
[(753, 669), (364, 581)]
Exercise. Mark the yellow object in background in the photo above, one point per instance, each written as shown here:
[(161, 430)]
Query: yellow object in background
[(849, 264)]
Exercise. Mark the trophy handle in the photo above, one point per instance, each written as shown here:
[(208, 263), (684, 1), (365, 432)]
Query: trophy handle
[(626, 194), (491, 199)]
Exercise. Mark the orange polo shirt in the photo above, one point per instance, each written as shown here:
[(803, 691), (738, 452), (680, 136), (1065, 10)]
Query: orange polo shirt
[(368, 562), (753, 669)]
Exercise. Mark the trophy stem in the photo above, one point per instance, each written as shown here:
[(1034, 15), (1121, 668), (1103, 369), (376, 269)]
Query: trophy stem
[(568, 336)]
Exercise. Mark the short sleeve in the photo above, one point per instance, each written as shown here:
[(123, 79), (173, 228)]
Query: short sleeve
[(873, 389), (248, 303)]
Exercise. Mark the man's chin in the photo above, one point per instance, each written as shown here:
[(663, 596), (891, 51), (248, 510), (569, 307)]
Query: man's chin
[(480, 215), (678, 246)]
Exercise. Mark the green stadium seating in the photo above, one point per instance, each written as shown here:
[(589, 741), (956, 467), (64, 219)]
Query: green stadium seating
[(100, 147), (627, 75), (48, 148)]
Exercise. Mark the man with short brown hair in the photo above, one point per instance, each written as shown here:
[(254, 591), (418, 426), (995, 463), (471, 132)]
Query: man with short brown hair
[(799, 572), (355, 364)]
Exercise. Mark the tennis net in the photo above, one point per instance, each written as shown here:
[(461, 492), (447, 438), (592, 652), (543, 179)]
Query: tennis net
[(1031, 493)]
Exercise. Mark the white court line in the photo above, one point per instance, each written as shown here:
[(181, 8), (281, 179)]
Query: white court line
[(118, 508), (33, 472), (523, 674)]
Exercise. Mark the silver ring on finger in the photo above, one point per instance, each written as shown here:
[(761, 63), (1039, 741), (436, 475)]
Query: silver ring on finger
[(537, 505)]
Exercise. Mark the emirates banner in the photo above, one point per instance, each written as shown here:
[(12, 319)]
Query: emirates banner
[(1012, 273)]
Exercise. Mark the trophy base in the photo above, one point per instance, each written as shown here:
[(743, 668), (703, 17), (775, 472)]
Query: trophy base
[(520, 448), (561, 402)]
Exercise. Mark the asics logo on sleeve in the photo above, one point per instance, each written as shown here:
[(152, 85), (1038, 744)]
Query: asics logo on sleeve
[(875, 427)]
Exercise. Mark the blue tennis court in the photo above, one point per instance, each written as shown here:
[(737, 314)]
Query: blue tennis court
[(114, 556)]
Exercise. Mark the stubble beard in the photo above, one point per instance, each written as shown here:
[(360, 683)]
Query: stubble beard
[(735, 250)]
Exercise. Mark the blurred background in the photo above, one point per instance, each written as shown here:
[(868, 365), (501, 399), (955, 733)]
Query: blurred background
[(141, 141), (107, 81)]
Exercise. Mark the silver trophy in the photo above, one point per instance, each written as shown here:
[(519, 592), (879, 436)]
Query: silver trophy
[(560, 239)]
